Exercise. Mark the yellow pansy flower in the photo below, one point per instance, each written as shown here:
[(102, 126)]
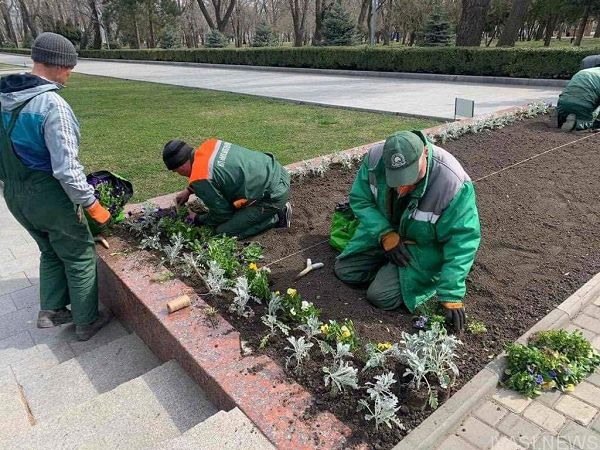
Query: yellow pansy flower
[(345, 332), (570, 387), (383, 346), (252, 266), (325, 329), (292, 292)]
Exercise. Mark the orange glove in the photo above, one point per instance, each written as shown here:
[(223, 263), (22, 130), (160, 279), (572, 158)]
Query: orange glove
[(395, 249), (98, 213)]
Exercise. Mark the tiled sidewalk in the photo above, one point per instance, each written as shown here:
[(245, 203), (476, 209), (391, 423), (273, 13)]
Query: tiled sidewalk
[(504, 420)]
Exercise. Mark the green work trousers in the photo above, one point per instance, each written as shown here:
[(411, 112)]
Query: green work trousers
[(68, 256), (584, 114), (260, 216), (372, 267)]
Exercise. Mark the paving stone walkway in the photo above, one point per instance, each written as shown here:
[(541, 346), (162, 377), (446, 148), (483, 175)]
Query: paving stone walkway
[(504, 420)]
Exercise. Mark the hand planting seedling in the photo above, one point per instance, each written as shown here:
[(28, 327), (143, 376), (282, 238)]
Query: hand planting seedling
[(552, 359)]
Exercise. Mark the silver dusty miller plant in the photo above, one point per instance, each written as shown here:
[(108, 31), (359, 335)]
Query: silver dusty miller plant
[(150, 242), (430, 352), (191, 264), (341, 376), (382, 404), (378, 358), (173, 250), (300, 353), (271, 320), (241, 299), (215, 280), (311, 328)]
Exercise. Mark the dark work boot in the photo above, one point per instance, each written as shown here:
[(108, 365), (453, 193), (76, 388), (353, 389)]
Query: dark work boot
[(48, 318), (285, 216), (84, 332)]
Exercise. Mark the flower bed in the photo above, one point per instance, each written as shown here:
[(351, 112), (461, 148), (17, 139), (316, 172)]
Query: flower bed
[(540, 240)]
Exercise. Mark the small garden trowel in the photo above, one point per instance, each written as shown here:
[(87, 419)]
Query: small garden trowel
[(310, 266)]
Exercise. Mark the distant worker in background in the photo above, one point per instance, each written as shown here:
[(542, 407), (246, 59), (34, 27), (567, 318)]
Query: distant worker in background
[(578, 101)]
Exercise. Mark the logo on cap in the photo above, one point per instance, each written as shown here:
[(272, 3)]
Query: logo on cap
[(398, 160)]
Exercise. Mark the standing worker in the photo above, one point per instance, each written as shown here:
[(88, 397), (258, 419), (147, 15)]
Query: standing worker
[(245, 191), (45, 187), (578, 101), (418, 227)]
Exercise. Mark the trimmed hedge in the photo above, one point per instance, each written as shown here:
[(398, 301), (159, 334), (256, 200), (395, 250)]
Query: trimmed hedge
[(509, 62)]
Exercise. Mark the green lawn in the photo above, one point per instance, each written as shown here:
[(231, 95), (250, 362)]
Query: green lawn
[(124, 125)]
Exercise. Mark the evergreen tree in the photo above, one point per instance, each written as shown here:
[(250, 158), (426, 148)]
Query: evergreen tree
[(437, 31), (263, 35), (169, 38), (215, 39), (338, 26)]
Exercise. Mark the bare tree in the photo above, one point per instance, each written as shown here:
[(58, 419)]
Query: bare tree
[(471, 23), (299, 8), (222, 13)]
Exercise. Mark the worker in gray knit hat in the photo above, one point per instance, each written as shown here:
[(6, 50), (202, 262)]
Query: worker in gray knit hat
[(45, 186)]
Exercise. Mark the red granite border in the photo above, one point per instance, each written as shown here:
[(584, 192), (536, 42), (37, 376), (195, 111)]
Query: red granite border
[(210, 353)]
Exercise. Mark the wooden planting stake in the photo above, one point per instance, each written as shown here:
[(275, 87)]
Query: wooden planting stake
[(310, 266), (179, 303), (103, 242)]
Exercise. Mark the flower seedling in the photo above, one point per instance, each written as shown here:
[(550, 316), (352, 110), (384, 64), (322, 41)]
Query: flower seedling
[(300, 353), (384, 404), (341, 376), (258, 278), (378, 355), (297, 310), (216, 280), (344, 332), (241, 299), (271, 320), (476, 327)]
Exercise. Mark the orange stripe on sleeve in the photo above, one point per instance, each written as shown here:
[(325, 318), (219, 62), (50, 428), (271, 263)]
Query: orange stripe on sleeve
[(202, 157)]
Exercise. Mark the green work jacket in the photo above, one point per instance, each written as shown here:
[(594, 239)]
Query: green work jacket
[(440, 217), (227, 177)]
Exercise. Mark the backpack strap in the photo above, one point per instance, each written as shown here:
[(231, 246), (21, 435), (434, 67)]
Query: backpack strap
[(374, 156)]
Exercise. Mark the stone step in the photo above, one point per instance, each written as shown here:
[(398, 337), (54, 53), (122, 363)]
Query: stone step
[(50, 393), (159, 405), (13, 413), (224, 431)]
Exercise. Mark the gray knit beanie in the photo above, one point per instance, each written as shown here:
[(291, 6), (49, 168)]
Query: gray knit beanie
[(54, 49)]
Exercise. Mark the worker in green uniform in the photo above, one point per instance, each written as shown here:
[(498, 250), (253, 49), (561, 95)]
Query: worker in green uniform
[(578, 101), (418, 227), (45, 187), (246, 192)]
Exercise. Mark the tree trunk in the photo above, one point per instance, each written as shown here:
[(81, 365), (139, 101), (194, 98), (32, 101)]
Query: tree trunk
[(206, 15), (582, 25), (151, 39), (97, 33), (223, 21), (560, 32), (597, 32), (136, 27), (10, 29), (513, 23), (28, 23), (539, 34), (472, 21), (318, 21), (298, 20), (550, 26), (364, 9), (412, 38)]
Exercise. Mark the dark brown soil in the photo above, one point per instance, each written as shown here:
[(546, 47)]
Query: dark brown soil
[(540, 242)]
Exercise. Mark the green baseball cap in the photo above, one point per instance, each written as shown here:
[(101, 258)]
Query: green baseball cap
[(401, 154)]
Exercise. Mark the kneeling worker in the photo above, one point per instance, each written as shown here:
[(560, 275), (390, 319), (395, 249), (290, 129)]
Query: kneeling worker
[(245, 191), (578, 101), (418, 227)]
